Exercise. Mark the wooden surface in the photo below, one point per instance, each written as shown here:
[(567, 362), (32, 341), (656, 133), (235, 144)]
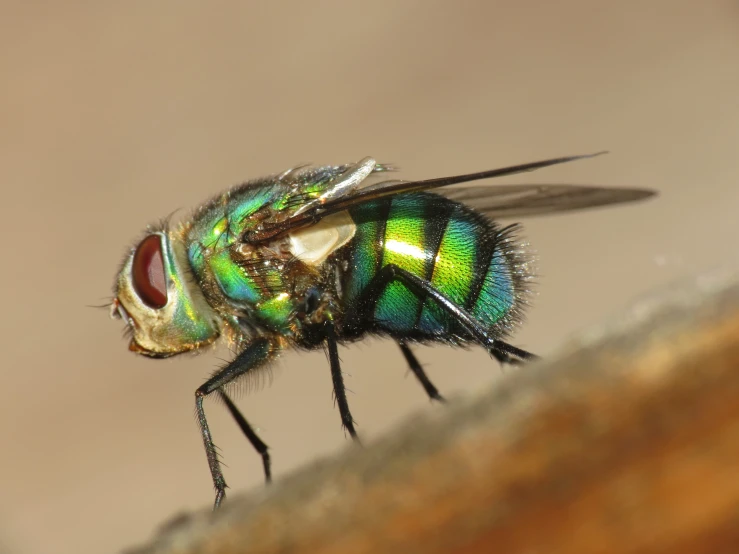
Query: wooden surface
[(628, 442)]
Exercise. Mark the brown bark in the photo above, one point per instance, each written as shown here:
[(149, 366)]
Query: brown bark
[(626, 443)]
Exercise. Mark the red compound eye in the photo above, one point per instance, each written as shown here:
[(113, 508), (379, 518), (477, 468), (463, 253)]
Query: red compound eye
[(149, 281)]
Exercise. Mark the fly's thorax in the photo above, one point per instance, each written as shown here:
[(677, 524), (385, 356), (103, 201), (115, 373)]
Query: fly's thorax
[(267, 285), (158, 298)]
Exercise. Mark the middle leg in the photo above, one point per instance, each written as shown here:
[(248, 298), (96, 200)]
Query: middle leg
[(338, 380)]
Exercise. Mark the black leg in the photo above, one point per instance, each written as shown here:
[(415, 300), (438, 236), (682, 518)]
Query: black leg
[(338, 379), (420, 374), (509, 354), (501, 350), (254, 355), (254, 439)]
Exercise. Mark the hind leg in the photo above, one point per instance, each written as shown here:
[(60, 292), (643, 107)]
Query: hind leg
[(499, 349), (420, 374)]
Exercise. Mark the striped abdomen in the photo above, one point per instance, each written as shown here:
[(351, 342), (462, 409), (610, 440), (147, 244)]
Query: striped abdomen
[(461, 253)]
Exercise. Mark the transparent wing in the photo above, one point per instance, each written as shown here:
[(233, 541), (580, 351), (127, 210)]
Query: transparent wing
[(348, 192), (532, 200)]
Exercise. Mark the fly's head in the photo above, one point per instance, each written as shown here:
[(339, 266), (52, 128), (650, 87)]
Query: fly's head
[(156, 296)]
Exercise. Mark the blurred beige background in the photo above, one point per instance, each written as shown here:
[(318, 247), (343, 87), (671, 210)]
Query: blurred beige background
[(114, 114)]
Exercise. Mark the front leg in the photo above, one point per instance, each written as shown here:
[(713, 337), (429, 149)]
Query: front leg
[(255, 354)]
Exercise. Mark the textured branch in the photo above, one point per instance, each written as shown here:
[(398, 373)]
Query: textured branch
[(628, 442)]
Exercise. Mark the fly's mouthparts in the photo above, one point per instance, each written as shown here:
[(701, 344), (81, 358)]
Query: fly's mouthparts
[(114, 314)]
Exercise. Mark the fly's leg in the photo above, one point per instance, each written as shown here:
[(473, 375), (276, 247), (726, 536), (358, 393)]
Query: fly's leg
[(250, 434), (253, 356), (502, 351), (420, 374), (338, 380), (509, 354)]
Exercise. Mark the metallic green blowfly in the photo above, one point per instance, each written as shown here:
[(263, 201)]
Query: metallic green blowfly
[(313, 257)]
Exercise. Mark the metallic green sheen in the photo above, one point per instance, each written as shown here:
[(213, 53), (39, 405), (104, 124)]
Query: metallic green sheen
[(240, 208), (276, 312), (232, 279), (497, 295), (195, 257), (218, 227), (464, 243), (364, 256), (453, 269), (215, 229), (397, 306), (220, 224)]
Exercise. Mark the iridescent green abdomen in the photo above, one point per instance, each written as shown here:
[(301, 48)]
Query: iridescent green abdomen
[(461, 253)]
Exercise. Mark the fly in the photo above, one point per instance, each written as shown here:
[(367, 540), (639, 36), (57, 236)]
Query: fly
[(318, 256)]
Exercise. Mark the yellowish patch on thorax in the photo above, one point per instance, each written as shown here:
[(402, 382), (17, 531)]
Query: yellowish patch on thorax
[(313, 245)]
